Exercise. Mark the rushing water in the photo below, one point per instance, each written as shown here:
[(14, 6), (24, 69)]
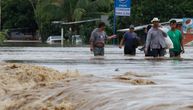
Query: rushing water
[(173, 78), (82, 59)]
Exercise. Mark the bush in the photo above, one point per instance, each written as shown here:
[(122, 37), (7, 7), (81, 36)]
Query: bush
[(2, 37)]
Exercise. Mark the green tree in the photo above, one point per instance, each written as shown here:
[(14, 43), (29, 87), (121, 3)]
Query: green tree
[(45, 13), (17, 14), (142, 11), (74, 10), (68, 11)]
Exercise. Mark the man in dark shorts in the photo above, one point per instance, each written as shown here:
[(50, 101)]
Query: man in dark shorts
[(176, 37), (155, 40), (130, 41), (97, 40)]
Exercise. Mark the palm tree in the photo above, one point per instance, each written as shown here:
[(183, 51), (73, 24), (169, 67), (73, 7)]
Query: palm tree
[(68, 11), (45, 12), (74, 10)]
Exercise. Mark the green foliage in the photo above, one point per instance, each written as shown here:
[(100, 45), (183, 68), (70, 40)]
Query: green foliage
[(85, 31), (45, 13), (58, 10), (25, 13), (29, 13), (2, 37), (17, 14), (75, 10), (143, 11)]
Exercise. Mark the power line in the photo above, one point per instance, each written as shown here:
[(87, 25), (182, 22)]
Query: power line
[(75, 22)]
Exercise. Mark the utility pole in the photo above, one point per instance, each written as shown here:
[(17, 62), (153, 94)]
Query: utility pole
[(62, 37), (0, 15), (114, 22)]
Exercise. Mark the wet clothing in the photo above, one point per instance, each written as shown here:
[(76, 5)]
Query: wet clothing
[(98, 39), (149, 52), (157, 52), (129, 51), (174, 53), (98, 51), (156, 42), (131, 43), (176, 38), (155, 39)]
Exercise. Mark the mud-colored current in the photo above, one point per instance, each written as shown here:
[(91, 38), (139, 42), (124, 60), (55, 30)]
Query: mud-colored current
[(79, 81)]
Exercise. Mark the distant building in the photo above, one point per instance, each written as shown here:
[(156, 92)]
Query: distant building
[(22, 34)]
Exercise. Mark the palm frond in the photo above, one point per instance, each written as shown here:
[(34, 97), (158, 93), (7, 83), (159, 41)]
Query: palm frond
[(78, 13)]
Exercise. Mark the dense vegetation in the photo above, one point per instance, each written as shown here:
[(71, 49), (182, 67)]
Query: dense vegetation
[(39, 14), (2, 37)]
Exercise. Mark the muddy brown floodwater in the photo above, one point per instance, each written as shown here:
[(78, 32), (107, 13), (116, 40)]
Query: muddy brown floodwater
[(79, 81)]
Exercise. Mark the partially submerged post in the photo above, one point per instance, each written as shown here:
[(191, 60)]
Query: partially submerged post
[(62, 36)]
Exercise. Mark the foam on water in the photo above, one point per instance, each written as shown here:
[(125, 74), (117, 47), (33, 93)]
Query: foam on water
[(171, 88)]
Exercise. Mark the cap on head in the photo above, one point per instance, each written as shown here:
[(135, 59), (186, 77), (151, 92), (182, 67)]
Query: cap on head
[(131, 27), (155, 20), (173, 22)]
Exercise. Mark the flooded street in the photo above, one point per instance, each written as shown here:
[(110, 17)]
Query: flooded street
[(172, 87), (82, 59)]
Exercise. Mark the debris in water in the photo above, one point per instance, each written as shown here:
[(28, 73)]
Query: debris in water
[(117, 69), (133, 79)]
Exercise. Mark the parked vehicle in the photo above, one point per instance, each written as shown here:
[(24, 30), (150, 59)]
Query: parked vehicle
[(75, 39), (54, 39)]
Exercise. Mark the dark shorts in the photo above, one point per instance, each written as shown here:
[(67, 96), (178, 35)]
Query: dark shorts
[(158, 52), (148, 53), (174, 54), (129, 51), (98, 51)]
